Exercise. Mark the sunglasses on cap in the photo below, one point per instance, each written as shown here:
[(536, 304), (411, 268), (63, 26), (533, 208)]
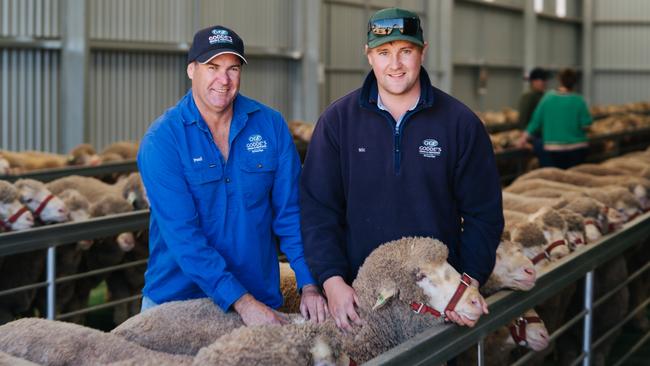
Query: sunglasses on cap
[(384, 27)]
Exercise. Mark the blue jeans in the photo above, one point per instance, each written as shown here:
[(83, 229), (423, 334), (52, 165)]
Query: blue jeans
[(147, 304)]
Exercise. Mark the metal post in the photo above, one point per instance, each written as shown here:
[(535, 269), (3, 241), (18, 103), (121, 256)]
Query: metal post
[(530, 39), (586, 337), (480, 355), (51, 285), (587, 49)]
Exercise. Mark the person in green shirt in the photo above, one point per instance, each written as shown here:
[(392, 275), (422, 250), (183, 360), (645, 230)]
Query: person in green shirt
[(562, 117), (527, 104)]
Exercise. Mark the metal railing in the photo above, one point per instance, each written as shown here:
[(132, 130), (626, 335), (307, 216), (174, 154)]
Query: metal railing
[(50, 236), (47, 175), (436, 346)]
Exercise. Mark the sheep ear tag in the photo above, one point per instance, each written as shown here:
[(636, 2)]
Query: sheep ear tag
[(384, 295)]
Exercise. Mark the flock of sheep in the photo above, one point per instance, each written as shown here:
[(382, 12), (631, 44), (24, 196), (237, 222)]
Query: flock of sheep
[(549, 214)]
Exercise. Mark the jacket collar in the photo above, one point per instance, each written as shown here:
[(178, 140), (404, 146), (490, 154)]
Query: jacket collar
[(370, 91), (243, 106)]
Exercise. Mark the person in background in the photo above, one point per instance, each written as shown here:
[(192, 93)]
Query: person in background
[(527, 103), (562, 117), (397, 157), (221, 173)]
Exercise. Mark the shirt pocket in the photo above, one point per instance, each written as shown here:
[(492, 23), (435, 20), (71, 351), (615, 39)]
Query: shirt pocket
[(258, 173), (205, 184)]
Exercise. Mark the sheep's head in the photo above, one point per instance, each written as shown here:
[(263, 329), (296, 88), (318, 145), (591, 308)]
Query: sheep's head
[(79, 209), (551, 222), (114, 205), (84, 154), (38, 199), (13, 214), (414, 270), (529, 330), (534, 244), (576, 228), (133, 191), (512, 268)]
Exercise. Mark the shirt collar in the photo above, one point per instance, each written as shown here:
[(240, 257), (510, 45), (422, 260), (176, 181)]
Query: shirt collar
[(381, 106), (190, 112)]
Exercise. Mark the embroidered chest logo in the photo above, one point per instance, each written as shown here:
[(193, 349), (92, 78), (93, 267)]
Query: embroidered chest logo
[(256, 144), (430, 148)]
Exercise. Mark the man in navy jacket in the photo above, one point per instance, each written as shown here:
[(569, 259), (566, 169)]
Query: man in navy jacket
[(397, 158)]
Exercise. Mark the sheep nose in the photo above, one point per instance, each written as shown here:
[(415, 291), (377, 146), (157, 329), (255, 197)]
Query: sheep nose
[(529, 271)]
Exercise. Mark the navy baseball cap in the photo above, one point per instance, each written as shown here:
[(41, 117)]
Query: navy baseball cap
[(214, 41), (538, 74)]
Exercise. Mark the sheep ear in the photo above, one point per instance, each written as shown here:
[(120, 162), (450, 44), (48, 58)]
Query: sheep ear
[(385, 294)]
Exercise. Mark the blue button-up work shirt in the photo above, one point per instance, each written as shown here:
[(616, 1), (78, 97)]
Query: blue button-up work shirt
[(215, 223)]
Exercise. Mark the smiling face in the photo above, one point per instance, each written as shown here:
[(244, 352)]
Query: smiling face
[(396, 66), (215, 84)]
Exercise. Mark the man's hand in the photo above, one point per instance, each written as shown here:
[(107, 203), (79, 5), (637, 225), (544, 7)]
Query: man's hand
[(463, 320), (522, 142), (253, 312), (341, 300), (312, 304)]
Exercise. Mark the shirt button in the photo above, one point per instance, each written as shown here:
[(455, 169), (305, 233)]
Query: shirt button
[(259, 165), (227, 180)]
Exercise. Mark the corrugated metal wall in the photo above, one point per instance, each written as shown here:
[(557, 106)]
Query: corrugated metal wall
[(621, 55), (29, 78)]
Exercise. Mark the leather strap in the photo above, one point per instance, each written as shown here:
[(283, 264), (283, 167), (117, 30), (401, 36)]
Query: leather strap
[(41, 207)]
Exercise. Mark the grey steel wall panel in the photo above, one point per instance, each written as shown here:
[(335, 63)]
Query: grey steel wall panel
[(267, 82), (503, 88), (622, 10), (128, 91), (618, 88), (29, 115), (486, 34), (341, 83), (141, 20), (558, 43), (346, 36), (622, 46), (260, 23), (33, 18)]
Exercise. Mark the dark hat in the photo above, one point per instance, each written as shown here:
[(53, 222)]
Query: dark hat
[(214, 41), (538, 74), (412, 30)]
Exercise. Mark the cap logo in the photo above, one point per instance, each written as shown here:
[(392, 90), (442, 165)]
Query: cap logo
[(219, 36)]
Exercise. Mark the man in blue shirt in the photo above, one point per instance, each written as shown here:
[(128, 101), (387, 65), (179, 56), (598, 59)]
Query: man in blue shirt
[(221, 174), (396, 158)]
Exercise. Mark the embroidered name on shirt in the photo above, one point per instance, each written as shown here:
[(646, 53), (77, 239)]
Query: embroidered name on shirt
[(256, 144), (362, 149), (198, 160), (430, 148)]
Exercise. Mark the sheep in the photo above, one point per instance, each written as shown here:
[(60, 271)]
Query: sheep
[(293, 344), (629, 165), (68, 256), (289, 289), (527, 330), (58, 343), (638, 186), (5, 168), (104, 252), (529, 205), (95, 190), (9, 360), (41, 202), (13, 215), (398, 274), (121, 150), (21, 162), (536, 245), (609, 169), (512, 270)]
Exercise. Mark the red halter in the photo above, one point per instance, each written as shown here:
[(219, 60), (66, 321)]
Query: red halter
[(41, 207), (6, 224), (546, 253), (419, 307), (518, 328)]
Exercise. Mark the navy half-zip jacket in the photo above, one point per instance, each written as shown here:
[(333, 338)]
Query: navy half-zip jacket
[(366, 182)]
